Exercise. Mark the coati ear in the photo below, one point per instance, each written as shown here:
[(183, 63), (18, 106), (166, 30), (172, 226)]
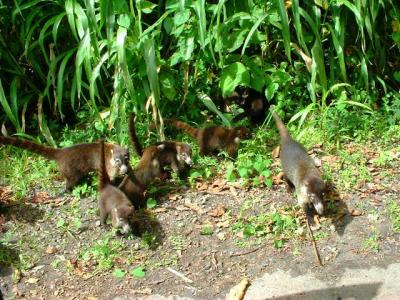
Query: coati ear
[(161, 146), (178, 148)]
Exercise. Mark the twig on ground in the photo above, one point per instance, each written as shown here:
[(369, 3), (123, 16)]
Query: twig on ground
[(313, 242), (246, 252), (180, 275)]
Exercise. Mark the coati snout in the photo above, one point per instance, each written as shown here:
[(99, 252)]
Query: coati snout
[(184, 154), (120, 161), (121, 217)]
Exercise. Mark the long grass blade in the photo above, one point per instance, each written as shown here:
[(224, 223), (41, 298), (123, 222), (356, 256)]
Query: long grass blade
[(285, 28), (7, 109)]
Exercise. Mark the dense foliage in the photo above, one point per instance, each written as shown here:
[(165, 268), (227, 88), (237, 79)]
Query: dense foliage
[(63, 61)]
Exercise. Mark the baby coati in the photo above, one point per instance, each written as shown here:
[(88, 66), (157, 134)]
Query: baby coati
[(112, 201), (215, 138), (300, 170), (75, 162), (172, 154), (252, 102)]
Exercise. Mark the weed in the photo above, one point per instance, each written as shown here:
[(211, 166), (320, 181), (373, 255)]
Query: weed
[(393, 210), (28, 170), (177, 242), (149, 240), (104, 252), (372, 242), (207, 230)]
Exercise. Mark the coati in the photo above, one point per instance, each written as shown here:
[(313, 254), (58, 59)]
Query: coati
[(75, 162), (300, 170), (214, 138), (252, 102), (177, 155), (112, 201)]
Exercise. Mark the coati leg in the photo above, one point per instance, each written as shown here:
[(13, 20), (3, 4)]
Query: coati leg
[(289, 185), (103, 215)]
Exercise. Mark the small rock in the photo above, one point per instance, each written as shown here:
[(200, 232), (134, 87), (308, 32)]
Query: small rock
[(51, 250), (356, 212)]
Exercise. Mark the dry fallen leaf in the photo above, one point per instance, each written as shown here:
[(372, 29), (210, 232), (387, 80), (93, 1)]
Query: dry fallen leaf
[(278, 179), (202, 186), (356, 212), (51, 250), (218, 185), (275, 152), (32, 280), (174, 197), (218, 211), (238, 291), (195, 208), (40, 197)]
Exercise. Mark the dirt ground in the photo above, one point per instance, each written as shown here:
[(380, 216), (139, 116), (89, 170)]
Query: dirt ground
[(356, 233)]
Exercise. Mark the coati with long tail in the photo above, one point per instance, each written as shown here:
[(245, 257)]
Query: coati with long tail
[(300, 170), (75, 162), (215, 138), (252, 102), (177, 155), (112, 201)]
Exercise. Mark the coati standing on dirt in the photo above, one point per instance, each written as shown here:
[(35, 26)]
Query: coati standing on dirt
[(177, 155), (252, 102), (300, 170), (214, 138), (75, 162), (112, 201)]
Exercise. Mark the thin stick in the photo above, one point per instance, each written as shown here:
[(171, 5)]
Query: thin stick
[(313, 242), (180, 275), (246, 252)]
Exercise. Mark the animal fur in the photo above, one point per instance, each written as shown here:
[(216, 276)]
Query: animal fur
[(300, 170), (75, 162)]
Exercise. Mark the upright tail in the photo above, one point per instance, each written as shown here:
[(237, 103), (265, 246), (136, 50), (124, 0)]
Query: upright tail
[(283, 132), (47, 152), (185, 127), (103, 176), (133, 136)]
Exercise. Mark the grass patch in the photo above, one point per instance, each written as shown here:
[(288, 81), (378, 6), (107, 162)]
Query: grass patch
[(393, 210), (22, 171)]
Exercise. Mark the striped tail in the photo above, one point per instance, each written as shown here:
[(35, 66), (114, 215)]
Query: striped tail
[(132, 135), (48, 152), (283, 132), (103, 176), (185, 127)]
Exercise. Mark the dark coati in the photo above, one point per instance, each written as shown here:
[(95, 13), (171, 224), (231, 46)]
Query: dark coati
[(112, 201), (300, 170), (214, 138), (75, 162), (252, 102), (177, 155)]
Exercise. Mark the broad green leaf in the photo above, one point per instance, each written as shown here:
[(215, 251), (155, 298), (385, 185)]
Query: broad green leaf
[(138, 272), (119, 273), (212, 107), (151, 203), (232, 76), (146, 6)]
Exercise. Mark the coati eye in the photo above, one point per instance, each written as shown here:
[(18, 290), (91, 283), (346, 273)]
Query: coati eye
[(117, 160)]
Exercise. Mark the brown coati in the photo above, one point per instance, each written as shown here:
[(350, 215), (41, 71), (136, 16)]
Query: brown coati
[(215, 138), (112, 201), (300, 170), (75, 162), (172, 154), (252, 102)]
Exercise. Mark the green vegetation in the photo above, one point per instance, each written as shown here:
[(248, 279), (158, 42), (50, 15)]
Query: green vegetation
[(94, 61), (394, 214)]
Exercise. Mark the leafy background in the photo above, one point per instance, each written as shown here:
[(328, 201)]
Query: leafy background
[(74, 62)]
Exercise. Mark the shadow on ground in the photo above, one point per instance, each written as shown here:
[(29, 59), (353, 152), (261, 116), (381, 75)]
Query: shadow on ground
[(361, 292)]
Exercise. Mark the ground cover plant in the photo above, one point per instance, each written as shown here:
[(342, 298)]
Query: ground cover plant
[(72, 71)]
